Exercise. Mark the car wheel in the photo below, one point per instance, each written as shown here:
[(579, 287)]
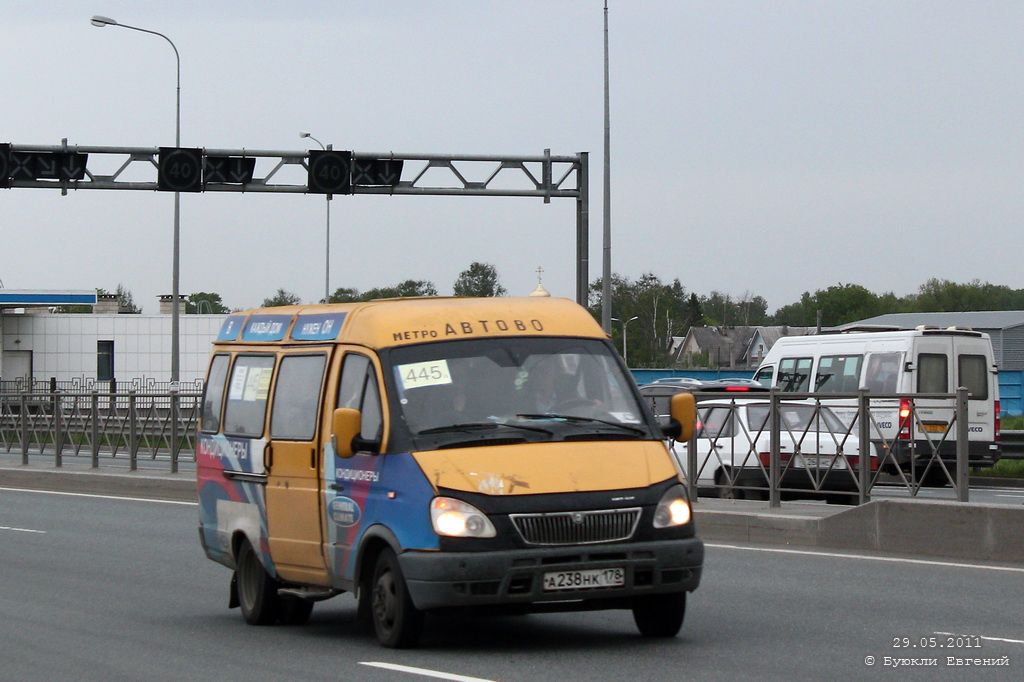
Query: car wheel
[(724, 489), (660, 615), (257, 590), (396, 620)]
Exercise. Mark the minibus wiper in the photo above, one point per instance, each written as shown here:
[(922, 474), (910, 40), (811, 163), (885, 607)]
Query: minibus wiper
[(574, 418), (479, 426)]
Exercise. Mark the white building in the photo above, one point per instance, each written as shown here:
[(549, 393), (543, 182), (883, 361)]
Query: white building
[(100, 346)]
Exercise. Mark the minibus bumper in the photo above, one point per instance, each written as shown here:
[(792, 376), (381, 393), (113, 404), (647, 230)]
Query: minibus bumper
[(517, 577)]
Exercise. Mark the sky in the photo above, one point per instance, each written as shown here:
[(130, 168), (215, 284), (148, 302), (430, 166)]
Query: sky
[(757, 148)]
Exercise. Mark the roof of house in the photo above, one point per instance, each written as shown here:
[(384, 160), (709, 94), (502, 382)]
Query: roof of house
[(730, 342), (987, 319)]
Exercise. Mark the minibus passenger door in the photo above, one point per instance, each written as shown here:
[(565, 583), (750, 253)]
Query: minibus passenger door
[(349, 481), (293, 491)]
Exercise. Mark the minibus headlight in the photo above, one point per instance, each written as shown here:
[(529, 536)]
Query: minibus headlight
[(673, 509), (457, 519)]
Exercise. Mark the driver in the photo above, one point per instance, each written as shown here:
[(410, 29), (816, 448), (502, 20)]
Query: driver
[(549, 386)]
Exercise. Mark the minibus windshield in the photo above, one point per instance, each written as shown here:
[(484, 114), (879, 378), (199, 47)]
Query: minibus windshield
[(526, 388)]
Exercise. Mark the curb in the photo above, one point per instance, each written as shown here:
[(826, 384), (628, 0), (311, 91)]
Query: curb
[(143, 484)]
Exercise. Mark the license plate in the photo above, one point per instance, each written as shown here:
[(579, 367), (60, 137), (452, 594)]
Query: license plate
[(582, 580), (824, 462), (934, 428)]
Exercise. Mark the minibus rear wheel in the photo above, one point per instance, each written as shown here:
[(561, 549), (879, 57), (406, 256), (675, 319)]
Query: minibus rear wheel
[(257, 591), (396, 620)]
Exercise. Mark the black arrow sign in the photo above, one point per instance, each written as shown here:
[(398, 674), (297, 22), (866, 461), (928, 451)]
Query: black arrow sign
[(72, 165), (376, 172), (228, 169), (46, 166)]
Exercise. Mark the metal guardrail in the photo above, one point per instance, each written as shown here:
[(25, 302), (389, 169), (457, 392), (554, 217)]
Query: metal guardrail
[(159, 426), (1012, 444)]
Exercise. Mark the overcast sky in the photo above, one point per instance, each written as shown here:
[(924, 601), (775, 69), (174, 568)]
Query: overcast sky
[(764, 148)]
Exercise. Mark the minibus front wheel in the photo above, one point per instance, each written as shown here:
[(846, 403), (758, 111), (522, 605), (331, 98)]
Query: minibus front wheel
[(396, 619), (660, 615)]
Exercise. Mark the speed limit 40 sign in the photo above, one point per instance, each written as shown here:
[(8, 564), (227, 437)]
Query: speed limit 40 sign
[(180, 169), (330, 172)]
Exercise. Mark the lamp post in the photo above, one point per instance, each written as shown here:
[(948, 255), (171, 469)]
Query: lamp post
[(625, 358), (100, 21), (327, 259)]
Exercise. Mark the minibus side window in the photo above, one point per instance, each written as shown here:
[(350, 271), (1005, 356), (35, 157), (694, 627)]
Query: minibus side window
[(933, 373), (794, 375), (296, 397), (214, 393), (247, 395), (838, 374), (973, 376), (358, 390)]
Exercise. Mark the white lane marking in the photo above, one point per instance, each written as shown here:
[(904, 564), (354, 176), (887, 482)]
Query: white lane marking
[(868, 557), (102, 497), (22, 530), (990, 639), (423, 671)]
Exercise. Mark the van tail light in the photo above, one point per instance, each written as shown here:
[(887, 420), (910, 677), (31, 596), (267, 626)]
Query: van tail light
[(997, 424), (906, 417)]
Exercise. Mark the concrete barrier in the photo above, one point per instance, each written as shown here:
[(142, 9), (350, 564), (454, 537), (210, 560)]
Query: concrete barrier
[(928, 528)]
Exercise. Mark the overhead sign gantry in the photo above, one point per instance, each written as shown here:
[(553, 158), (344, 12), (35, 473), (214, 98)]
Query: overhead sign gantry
[(193, 169)]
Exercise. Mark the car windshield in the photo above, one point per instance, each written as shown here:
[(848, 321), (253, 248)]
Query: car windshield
[(801, 418), (532, 388)]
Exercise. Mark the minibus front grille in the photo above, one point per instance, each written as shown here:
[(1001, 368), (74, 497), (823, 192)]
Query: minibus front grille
[(577, 528)]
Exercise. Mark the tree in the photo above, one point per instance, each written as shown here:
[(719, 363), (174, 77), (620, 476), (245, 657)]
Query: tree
[(125, 304), (282, 297), (662, 310), (406, 289), (345, 295), (480, 279), (839, 304), (203, 302)]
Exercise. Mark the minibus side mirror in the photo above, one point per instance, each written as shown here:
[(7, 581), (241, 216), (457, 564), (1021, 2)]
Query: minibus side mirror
[(683, 410), (345, 425)]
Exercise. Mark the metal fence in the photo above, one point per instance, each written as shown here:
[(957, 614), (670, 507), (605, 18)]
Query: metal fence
[(124, 426), (774, 460), (760, 460)]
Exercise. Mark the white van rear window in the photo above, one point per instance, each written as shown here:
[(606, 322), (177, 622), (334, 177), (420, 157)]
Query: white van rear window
[(973, 376), (932, 373)]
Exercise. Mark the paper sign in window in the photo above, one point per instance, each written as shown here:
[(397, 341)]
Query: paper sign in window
[(420, 374)]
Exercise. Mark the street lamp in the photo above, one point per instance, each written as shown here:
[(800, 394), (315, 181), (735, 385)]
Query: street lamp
[(624, 325), (327, 266), (100, 22)]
